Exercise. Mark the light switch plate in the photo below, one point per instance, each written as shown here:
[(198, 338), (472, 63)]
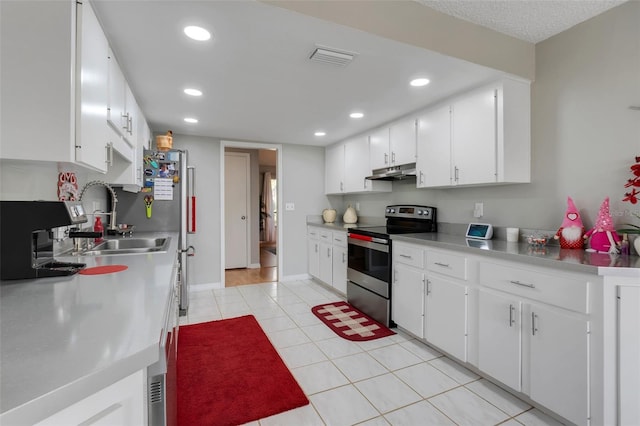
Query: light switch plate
[(289, 206)]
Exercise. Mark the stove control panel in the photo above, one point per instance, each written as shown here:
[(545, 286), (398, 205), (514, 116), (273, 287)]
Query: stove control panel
[(411, 212)]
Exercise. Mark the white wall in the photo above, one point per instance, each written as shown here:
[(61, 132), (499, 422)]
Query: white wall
[(584, 136), (303, 184)]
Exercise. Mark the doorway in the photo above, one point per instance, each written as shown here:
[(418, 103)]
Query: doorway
[(256, 258)]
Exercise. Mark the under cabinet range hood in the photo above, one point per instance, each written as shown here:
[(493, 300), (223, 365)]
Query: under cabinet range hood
[(404, 171)]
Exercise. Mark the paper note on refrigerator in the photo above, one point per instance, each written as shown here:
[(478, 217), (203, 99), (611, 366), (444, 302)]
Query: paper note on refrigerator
[(163, 189)]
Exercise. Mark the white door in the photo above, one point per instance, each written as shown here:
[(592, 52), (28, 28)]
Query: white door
[(236, 209)]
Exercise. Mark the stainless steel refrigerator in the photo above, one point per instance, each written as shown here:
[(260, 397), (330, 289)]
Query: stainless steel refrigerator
[(170, 180)]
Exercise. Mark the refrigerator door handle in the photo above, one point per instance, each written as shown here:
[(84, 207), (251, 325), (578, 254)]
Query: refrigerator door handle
[(191, 204), (190, 251)]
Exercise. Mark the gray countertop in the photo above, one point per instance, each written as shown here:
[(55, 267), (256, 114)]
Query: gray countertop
[(64, 338), (549, 256)]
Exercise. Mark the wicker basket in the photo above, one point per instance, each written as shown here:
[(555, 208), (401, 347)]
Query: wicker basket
[(164, 142)]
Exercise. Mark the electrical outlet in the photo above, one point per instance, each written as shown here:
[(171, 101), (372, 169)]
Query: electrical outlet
[(357, 207), (478, 210), (96, 206), (289, 206)]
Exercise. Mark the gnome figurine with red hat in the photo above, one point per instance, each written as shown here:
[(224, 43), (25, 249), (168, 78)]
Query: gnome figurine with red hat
[(604, 238), (572, 230)]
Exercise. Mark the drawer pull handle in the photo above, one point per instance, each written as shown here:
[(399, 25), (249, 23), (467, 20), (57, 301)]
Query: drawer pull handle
[(406, 256), (511, 311), (444, 265), (522, 284)]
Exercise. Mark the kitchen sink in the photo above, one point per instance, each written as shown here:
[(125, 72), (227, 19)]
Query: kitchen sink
[(129, 246)]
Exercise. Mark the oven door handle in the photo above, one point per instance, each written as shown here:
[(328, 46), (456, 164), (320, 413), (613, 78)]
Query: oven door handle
[(367, 238)]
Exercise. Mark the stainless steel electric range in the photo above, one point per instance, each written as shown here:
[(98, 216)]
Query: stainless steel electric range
[(369, 286)]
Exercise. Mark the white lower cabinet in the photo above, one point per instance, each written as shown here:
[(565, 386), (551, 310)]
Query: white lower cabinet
[(122, 403), (445, 320), (538, 348), (557, 372), (499, 337), (326, 263), (313, 252), (407, 303), (327, 256)]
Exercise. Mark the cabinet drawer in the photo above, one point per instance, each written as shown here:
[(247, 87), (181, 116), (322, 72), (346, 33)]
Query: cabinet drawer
[(446, 263), (312, 232), (325, 235), (340, 238), (408, 255), (562, 291)]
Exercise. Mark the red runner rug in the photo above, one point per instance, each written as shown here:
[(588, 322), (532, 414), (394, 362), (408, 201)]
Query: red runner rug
[(229, 373), (349, 323)]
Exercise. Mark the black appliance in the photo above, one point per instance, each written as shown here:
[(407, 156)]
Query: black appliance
[(369, 262), (26, 237)]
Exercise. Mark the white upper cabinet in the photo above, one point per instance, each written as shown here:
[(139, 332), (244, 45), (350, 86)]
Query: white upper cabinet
[(347, 166), (334, 169), (394, 145), (379, 149), (49, 111), (92, 71), (480, 138), (433, 165), (474, 138), (122, 106), (402, 142)]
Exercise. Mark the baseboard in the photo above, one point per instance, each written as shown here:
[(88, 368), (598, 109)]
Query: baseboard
[(253, 266), (294, 277), (204, 286)]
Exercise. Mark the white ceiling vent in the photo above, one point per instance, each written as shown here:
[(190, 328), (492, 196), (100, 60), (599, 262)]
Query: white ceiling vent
[(332, 56)]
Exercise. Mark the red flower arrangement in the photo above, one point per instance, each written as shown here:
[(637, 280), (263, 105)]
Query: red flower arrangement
[(633, 195), (633, 183)]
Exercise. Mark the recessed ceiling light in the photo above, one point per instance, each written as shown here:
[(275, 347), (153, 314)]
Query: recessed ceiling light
[(197, 33), (193, 92), (320, 133), (356, 115), (419, 82), (191, 120)]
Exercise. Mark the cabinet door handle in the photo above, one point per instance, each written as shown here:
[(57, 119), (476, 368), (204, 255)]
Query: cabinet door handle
[(365, 183), (316, 247), (444, 265), (511, 312), (516, 282), (386, 158), (533, 323), (421, 177), (406, 256), (395, 275), (393, 157), (455, 173), (428, 287), (328, 252), (343, 258), (341, 186)]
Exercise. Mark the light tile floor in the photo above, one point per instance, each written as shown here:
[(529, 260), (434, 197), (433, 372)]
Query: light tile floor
[(396, 380)]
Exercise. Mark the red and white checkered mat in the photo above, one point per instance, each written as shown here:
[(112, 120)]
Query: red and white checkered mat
[(349, 323)]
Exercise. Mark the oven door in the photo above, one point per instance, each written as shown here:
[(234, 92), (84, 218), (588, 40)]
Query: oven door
[(369, 263)]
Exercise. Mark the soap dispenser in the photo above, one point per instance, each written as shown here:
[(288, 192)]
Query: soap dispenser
[(97, 227)]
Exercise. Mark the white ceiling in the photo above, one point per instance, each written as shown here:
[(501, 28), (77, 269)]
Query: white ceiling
[(257, 81), (528, 20)]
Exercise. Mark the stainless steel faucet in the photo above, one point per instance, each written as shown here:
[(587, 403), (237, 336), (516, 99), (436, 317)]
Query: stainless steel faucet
[(114, 200)]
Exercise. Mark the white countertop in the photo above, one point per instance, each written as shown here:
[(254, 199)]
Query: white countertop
[(550, 256), (64, 338)]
